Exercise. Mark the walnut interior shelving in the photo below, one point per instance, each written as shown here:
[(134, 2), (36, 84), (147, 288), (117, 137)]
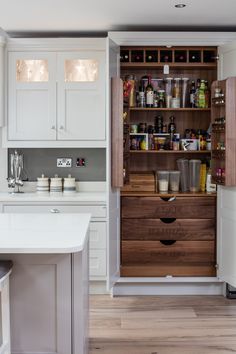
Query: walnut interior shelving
[(187, 109), (170, 152)]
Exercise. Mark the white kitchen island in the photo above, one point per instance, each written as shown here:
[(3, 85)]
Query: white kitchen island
[(49, 281)]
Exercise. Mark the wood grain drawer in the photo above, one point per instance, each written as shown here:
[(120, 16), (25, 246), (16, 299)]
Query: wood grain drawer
[(181, 252), (181, 207), (168, 229)]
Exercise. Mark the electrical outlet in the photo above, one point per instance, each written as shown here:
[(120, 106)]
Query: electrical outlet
[(80, 162), (64, 162)]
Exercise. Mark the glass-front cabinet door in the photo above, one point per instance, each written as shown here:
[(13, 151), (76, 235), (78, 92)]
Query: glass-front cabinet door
[(31, 96), (81, 95)]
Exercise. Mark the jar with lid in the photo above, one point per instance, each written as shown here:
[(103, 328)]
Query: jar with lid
[(176, 88)]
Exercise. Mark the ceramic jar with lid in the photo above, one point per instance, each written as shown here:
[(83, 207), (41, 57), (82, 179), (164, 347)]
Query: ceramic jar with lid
[(42, 184), (69, 185), (56, 184)]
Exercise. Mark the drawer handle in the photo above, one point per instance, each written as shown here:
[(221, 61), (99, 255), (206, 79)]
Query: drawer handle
[(54, 211), (168, 220), (171, 199), (167, 242)]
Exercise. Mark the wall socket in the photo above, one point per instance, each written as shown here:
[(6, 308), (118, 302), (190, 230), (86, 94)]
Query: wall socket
[(64, 162)]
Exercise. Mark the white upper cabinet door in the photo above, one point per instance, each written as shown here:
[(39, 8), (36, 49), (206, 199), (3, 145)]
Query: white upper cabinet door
[(227, 61), (226, 196), (81, 95), (32, 96)]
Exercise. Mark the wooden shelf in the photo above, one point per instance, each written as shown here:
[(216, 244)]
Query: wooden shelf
[(171, 65), (188, 109), (166, 195), (170, 152)]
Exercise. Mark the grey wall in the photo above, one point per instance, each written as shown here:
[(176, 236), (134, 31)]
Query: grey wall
[(38, 161)]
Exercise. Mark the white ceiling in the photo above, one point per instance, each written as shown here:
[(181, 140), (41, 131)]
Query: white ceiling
[(105, 15)]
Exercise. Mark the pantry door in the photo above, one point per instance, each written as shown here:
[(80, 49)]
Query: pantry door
[(226, 196), (113, 217)]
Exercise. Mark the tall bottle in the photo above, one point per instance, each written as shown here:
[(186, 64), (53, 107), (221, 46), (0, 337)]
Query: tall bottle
[(197, 93), (149, 93), (201, 95), (193, 95), (141, 96), (207, 95), (172, 130)]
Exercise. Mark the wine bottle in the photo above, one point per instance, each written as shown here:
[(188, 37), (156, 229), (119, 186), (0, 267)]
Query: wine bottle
[(207, 95), (149, 93), (192, 95), (197, 93)]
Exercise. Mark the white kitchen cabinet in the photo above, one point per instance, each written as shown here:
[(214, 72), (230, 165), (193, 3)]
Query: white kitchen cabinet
[(56, 96), (32, 96), (97, 236)]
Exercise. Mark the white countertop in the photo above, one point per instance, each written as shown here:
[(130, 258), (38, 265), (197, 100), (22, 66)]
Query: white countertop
[(93, 197), (43, 233)]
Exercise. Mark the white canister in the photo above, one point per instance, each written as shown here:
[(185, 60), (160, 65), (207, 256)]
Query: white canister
[(56, 184), (42, 184), (69, 185)]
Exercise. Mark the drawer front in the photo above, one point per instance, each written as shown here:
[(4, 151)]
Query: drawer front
[(168, 229), (97, 263), (180, 207), (97, 211), (180, 252), (97, 237)]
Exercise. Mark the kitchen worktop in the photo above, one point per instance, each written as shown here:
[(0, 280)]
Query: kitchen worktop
[(43, 233), (94, 197)]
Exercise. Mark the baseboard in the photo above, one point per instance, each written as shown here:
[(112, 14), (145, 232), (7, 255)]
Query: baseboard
[(98, 287), (180, 287)]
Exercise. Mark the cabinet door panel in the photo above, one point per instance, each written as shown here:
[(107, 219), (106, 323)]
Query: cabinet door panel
[(81, 96), (40, 304), (32, 103)]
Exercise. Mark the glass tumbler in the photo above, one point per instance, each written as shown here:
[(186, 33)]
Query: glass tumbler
[(194, 175), (163, 181), (174, 181)]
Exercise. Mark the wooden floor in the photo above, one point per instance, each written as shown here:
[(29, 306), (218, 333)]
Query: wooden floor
[(162, 325)]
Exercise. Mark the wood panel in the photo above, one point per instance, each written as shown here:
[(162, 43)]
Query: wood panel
[(164, 270), (117, 132), (180, 207), (180, 229), (154, 253)]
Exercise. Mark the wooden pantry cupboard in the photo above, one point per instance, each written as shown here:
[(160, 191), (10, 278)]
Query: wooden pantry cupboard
[(175, 234)]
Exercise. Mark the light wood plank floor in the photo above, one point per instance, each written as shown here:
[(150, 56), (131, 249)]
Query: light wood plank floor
[(162, 325)]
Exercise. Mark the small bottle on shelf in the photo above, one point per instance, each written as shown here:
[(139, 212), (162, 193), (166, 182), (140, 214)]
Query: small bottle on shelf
[(207, 95), (192, 95), (149, 94), (172, 130), (141, 95), (201, 95), (197, 93)]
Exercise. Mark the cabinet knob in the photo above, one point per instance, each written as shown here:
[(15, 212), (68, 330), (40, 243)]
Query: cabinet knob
[(61, 127), (53, 127), (55, 211)]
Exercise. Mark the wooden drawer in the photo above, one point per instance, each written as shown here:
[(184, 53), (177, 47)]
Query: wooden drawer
[(97, 211), (168, 229), (155, 252), (180, 207)]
